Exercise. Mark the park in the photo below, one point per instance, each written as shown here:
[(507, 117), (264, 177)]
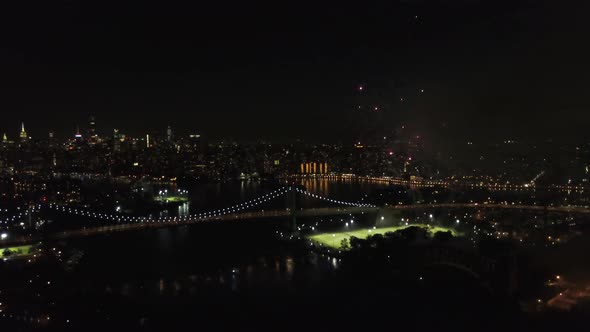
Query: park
[(334, 239)]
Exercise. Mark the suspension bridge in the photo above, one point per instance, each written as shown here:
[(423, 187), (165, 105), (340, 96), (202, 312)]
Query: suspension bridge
[(102, 222)]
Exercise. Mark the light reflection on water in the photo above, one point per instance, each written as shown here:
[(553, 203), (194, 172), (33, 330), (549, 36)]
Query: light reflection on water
[(207, 197), (248, 276)]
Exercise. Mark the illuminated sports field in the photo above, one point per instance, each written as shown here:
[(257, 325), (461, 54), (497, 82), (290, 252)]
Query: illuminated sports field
[(172, 199), (333, 240), (18, 251)]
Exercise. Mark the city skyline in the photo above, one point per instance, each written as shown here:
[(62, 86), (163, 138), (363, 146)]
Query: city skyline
[(501, 69)]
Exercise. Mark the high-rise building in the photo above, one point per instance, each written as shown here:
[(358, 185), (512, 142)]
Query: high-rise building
[(23, 133), (116, 140), (195, 141), (92, 127), (78, 135), (4, 138), (169, 134)]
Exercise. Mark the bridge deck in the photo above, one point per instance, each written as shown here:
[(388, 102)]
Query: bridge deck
[(89, 231)]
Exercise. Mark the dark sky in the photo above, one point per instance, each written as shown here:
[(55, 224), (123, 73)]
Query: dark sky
[(489, 69)]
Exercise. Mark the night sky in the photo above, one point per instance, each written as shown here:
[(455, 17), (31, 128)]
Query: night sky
[(489, 69)]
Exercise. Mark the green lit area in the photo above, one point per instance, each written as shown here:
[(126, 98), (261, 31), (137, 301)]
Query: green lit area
[(172, 199), (334, 240), (17, 251)]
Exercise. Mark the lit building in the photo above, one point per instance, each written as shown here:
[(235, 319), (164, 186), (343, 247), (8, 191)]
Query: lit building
[(195, 141), (78, 136), (116, 140), (92, 136), (314, 168), (169, 134), (23, 133)]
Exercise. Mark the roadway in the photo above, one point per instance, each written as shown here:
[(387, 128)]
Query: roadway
[(422, 183), (314, 212)]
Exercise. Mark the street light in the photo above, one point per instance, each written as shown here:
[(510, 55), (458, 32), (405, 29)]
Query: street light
[(3, 236)]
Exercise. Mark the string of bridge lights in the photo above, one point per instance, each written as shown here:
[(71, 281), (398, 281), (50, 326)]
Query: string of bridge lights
[(305, 192), (191, 217), (187, 218), (19, 215), (11, 218)]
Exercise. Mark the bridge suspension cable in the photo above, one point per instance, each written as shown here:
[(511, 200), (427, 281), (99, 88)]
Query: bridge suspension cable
[(19, 215), (305, 192), (14, 217), (191, 217), (236, 208)]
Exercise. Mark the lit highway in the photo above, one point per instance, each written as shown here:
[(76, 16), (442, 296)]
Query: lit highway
[(313, 212), (421, 183)]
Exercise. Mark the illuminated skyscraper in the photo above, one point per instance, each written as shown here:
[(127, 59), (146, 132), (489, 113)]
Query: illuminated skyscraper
[(23, 133), (51, 139), (92, 129), (78, 136), (4, 138), (169, 134), (116, 140)]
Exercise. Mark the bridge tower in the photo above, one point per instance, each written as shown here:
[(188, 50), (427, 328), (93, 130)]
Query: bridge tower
[(292, 204)]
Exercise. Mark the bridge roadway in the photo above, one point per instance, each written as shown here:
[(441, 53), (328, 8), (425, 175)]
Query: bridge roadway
[(314, 212), (420, 183)]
